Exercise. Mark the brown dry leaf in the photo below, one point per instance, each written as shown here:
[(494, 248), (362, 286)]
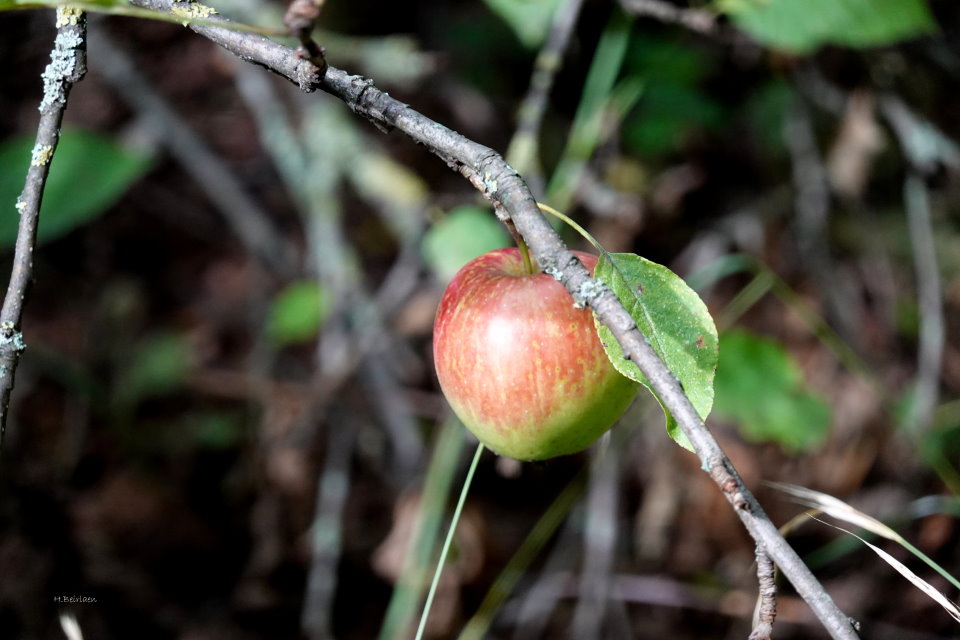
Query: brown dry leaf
[(673, 185), (857, 142), (390, 556), (416, 316)]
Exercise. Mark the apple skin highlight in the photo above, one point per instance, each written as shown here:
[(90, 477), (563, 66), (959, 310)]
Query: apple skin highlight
[(521, 367)]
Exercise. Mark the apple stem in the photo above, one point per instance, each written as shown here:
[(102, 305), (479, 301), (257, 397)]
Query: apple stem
[(525, 254), (528, 268), (453, 526)]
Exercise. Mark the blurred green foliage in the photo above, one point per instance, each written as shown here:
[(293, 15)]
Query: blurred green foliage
[(760, 387), (213, 429), (158, 364), (89, 172), (464, 234), (674, 103), (766, 112), (803, 27), (298, 312), (529, 19)]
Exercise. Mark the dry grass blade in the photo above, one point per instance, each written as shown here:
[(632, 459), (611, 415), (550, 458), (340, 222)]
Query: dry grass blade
[(917, 581), (823, 503), (838, 509), (70, 626)]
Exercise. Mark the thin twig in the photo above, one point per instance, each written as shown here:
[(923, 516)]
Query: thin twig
[(699, 20), (925, 149), (493, 177), (812, 206), (766, 597), (929, 300), (599, 540), (246, 218), (523, 152), (326, 531), (68, 64), (812, 199), (301, 18)]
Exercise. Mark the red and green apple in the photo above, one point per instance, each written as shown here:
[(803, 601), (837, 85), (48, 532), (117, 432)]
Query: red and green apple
[(520, 365)]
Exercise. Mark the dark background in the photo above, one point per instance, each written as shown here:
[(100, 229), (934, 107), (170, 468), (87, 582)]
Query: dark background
[(163, 457)]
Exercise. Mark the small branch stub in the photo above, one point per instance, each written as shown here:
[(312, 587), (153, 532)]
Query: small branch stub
[(301, 18), (766, 610)]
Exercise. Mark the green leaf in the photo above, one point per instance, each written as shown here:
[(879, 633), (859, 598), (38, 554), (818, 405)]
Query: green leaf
[(673, 106), (667, 116), (214, 429), (468, 232), (88, 173), (298, 312), (674, 320), (760, 387), (529, 19), (802, 26), (766, 111), (158, 366)]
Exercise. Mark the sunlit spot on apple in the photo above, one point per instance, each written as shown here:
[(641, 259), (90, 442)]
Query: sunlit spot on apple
[(499, 333)]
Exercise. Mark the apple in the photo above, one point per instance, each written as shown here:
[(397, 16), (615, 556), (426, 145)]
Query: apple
[(520, 365)]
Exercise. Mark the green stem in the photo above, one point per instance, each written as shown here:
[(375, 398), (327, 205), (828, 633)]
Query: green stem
[(525, 254), (410, 587), (446, 543), (573, 225), (528, 268), (476, 628)]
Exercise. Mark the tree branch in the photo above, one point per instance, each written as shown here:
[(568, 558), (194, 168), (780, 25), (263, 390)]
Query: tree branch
[(699, 20), (766, 598), (68, 64), (499, 182)]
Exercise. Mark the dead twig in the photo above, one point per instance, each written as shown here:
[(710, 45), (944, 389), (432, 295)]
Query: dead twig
[(929, 300), (523, 152), (927, 150), (699, 20), (766, 610), (301, 18), (68, 65)]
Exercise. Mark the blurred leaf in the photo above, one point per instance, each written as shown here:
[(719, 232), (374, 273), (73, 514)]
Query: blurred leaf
[(399, 193), (659, 60), (214, 430), (766, 112), (159, 365), (666, 117), (802, 27), (529, 19), (674, 320), (89, 172), (381, 178), (673, 105), (759, 386), (298, 312), (466, 233)]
